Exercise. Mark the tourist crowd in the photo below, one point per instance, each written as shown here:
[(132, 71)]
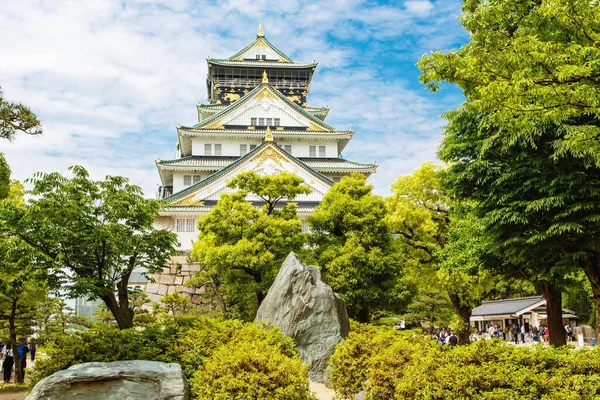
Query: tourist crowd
[(521, 333)]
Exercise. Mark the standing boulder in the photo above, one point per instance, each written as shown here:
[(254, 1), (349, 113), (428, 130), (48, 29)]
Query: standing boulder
[(137, 379), (308, 311)]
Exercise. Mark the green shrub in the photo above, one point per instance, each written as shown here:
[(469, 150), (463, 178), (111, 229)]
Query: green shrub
[(251, 370), (351, 362), (104, 343), (208, 335), (194, 344), (403, 366)]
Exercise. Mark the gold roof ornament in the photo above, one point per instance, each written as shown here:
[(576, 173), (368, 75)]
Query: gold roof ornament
[(260, 31), (269, 135), (265, 77)]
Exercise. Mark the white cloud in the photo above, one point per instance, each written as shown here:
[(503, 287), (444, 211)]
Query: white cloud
[(111, 79), (419, 7)]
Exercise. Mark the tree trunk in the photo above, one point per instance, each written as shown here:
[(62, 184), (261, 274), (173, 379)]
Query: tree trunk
[(464, 313), (218, 295), (592, 271), (12, 328), (553, 296), (124, 317), (364, 315)]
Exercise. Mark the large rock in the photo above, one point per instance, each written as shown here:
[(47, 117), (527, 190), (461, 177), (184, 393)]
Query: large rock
[(307, 310), (123, 380)]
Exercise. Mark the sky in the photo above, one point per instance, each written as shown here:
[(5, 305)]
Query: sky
[(111, 79)]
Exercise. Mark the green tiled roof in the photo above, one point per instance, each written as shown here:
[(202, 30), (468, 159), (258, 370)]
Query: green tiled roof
[(194, 209), (190, 131), (199, 161), (245, 98), (318, 164), (260, 64), (335, 164), (223, 171)]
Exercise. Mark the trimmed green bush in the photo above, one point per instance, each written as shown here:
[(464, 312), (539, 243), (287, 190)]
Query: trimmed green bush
[(226, 352), (198, 344), (251, 370), (407, 366)]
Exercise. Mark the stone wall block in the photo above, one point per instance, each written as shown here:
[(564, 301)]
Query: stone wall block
[(163, 289), (152, 288), (154, 297)]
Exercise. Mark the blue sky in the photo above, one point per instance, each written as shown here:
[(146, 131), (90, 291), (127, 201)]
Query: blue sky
[(110, 80)]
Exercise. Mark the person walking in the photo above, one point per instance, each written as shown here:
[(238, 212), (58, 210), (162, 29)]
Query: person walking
[(523, 331), (515, 333), (7, 364), (23, 350), (452, 339), (32, 350)]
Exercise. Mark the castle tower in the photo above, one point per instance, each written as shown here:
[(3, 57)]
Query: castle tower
[(257, 119)]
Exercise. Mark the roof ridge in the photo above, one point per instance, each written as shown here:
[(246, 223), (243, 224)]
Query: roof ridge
[(264, 86), (514, 299), (259, 38)]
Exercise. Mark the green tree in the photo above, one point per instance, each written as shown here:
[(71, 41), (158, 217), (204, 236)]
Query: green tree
[(430, 308), (241, 247), (22, 289), (94, 233), (443, 243), (4, 177), (16, 117), (271, 188), (53, 317), (355, 249), (530, 65), (176, 305), (539, 208)]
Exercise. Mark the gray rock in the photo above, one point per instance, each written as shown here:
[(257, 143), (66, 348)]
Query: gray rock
[(308, 311), (123, 380)]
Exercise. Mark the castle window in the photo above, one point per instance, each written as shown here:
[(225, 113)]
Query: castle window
[(261, 122), (276, 122), (252, 147), (322, 151), (189, 225), (337, 178), (187, 180), (197, 178), (207, 149), (269, 121), (243, 149), (288, 148), (253, 121), (180, 225), (312, 151), (217, 149), (261, 56)]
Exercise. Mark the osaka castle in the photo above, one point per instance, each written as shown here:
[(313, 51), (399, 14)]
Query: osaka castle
[(256, 119)]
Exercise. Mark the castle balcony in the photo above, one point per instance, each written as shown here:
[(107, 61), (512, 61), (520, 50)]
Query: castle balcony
[(277, 83), (164, 191)]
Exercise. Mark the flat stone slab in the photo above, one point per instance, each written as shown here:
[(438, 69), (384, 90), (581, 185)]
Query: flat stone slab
[(118, 380)]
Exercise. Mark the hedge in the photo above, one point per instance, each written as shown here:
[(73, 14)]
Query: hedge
[(394, 365)]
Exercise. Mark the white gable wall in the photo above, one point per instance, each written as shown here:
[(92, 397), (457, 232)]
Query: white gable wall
[(260, 48), (269, 167), (265, 108)]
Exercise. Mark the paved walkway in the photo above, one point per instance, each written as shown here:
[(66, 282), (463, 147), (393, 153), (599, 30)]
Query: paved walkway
[(322, 391)]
